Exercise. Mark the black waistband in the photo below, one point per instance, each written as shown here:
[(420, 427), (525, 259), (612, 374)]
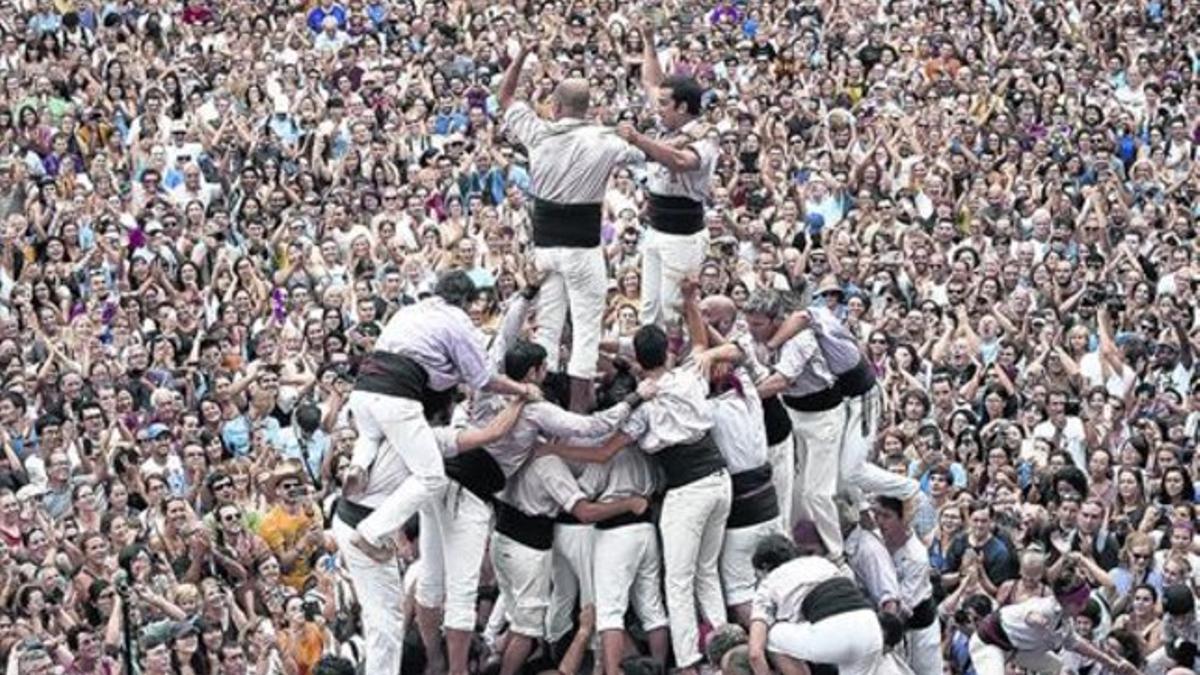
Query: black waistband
[(991, 632), (834, 596), (826, 399), (675, 215), (352, 514), (689, 462), (754, 508), (536, 532), (857, 381), (776, 420), (751, 481), (477, 471), (624, 519), (566, 225), (392, 375), (923, 615)]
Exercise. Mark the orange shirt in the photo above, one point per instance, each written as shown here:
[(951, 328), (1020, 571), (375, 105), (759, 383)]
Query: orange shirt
[(283, 531)]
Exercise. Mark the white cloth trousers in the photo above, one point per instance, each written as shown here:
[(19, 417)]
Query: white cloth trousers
[(737, 554), (818, 447), (577, 279), (861, 478), (782, 457), (400, 421), (380, 591), (523, 575), (572, 561), (627, 564), (989, 659), (923, 649), (693, 530), (850, 641), (458, 525), (666, 260)]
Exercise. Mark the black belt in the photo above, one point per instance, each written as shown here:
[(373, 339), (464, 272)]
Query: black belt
[(392, 375), (558, 225), (689, 462), (675, 215), (352, 514), (826, 399), (624, 519), (776, 420), (923, 615), (858, 381), (754, 499), (477, 471), (832, 597), (536, 532)]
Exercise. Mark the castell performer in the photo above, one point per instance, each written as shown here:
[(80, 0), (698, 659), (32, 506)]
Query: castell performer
[(570, 162), (424, 352), (678, 181)]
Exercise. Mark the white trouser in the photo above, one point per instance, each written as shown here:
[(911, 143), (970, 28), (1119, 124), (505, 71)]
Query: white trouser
[(401, 422), (454, 536), (577, 279), (923, 648), (818, 446), (782, 457), (852, 641), (572, 562), (380, 591), (737, 554), (693, 529), (523, 575), (989, 659), (861, 478), (627, 563), (666, 260), (497, 620)]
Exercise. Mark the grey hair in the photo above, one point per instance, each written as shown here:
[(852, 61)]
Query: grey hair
[(771, 302)]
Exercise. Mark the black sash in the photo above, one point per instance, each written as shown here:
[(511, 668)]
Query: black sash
[(754, 499), (991, 632), (688, 462), (676, 215), (826, 399), (923, 615), (352, 514), (835, 596), (857, 381), (566, 225), (536, 532), (477, 471), (775, 417), (392, 375)]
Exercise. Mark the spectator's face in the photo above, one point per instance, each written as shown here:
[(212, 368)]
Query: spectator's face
[(1091, 517), (981, 524)]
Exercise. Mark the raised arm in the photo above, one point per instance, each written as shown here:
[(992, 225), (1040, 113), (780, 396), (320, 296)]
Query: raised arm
[(512, 76), (652, 74)]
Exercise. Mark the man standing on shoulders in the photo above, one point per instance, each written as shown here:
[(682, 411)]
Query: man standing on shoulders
[(570, 162), (682, 164)]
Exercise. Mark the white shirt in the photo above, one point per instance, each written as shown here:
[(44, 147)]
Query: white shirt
[(694, 184), (780, 595), (678, 414)]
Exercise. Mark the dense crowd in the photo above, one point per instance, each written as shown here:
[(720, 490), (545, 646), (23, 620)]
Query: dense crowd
[(211, 209)]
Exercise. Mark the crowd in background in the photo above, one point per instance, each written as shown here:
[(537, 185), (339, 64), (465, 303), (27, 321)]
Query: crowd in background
[(211, 208)]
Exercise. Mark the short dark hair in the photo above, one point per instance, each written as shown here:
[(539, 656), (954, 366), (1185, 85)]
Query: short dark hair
[(650, 346), (456, 288), (773, 551), (522, 357), (685, 90)]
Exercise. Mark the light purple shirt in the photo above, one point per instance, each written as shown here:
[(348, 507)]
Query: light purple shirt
[(837, 344), (442, 339)]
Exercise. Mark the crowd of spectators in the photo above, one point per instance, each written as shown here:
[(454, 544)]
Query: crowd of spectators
[(210, 208)]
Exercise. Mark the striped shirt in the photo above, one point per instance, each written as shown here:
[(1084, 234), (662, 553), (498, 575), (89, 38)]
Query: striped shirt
[(569, 159), (695, 184)]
